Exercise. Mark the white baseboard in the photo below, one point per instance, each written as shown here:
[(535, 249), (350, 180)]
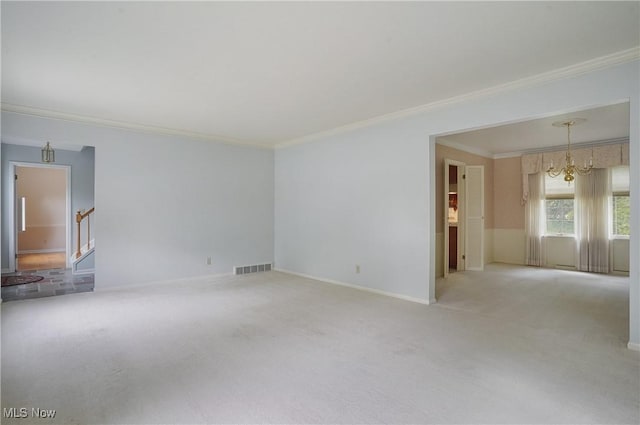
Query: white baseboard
[(41, 251), (6, 270), (83, 271), (619, 273), (361, 288), (163, 282), (633, 346), (564, 267)]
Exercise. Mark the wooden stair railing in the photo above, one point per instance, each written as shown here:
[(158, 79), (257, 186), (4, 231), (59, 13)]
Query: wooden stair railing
[(79, 217)]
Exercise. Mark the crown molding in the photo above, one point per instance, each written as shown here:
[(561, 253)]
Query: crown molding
[(514, 154), (561, 147), (57, 145), (569, 71), (143, 128), (469, 149), (591, 65)]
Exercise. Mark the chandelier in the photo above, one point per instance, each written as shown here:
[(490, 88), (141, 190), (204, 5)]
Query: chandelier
[(570, 169), (48, 154)]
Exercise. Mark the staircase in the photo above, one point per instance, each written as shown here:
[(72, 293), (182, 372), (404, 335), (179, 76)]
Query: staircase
[(83, 260), (85, 263)]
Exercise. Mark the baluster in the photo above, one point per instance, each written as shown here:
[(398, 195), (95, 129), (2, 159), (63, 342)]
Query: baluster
[(79, 217), (78, 221)]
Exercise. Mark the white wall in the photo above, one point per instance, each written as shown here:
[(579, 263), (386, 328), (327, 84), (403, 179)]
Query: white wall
[(560, 251), (352, 200), (509, 246), (620, 260), (367, 196), (164, 204)]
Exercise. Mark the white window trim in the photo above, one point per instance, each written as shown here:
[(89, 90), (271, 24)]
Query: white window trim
[(613, 236), (559, 235)]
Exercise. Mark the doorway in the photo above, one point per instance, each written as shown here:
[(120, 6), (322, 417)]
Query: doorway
[(463, 216), (42, 207), (454, 216)]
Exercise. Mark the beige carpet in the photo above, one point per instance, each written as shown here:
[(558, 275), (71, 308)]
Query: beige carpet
[(510, 345)]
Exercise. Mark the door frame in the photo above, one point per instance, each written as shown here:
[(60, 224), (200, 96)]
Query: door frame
[(13, 212), (461, 225)]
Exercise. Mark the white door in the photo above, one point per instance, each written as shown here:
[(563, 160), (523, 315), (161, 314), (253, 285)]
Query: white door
[(461, 220), (474, 218)]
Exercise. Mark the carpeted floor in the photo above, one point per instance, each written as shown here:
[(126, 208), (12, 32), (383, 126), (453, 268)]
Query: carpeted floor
[(510, 345)]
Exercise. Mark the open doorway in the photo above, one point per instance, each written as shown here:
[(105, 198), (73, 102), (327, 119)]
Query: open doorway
[(454, 216), (42, 205), (559, 286), (40, 227), (463, 214)]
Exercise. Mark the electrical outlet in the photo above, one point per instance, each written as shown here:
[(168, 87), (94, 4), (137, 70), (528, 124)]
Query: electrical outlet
[(208, 261), (357, 268)]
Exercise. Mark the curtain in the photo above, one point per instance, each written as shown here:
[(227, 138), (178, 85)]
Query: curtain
[(534, 221), (593, 194), (530, 164), (603, 156)]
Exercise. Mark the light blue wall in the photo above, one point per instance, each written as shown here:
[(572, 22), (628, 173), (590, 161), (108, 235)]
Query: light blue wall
[(359, 198), (367, 196), (82, 177), (164, 204), (363, 197)]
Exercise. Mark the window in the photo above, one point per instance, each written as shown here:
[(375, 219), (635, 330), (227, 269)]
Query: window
[(559, 206), (620, 201), (559, 216)]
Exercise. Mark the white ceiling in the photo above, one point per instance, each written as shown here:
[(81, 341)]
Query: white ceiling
[(605, 123), (266, 73)]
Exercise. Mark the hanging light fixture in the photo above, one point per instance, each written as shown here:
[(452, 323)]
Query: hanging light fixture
[(48, 154), (570, 168)]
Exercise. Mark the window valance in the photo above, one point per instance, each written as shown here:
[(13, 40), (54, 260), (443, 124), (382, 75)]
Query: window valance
[(604, 156), (531, 164)]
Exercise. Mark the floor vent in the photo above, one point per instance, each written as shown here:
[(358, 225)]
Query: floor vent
[(252, 269)]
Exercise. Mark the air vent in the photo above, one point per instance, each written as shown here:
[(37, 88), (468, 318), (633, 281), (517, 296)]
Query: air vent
[(252, 269)]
